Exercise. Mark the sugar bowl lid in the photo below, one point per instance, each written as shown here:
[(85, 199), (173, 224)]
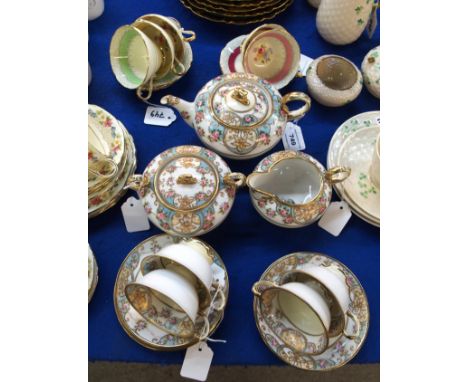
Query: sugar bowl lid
[(187, 190), (241, 101)]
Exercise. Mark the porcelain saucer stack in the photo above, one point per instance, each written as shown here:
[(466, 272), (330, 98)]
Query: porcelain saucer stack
[(111, 160), (311, 311), (150, 54), (171, 292)]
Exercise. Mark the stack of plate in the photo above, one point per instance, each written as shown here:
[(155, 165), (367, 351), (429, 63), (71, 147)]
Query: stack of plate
[(269, 51), (111, 160), (237, 11), (353, 146)]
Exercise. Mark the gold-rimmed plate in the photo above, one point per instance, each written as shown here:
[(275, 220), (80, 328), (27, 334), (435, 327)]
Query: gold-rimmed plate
[(240, 9), (341, 349), (234, 19), (140, 330)]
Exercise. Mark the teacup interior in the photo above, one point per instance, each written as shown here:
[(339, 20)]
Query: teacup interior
[(336, 73), (299, 313), (130, 58), (292, 180)]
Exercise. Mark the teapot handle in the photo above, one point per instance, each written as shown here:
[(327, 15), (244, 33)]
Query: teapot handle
[(296, 96), (337, 174), (235, 178)]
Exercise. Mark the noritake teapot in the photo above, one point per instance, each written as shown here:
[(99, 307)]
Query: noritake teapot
[(239, 115), (187, 190)]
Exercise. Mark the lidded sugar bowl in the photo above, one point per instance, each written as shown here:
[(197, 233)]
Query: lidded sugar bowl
[(187, 190), (239, 115)]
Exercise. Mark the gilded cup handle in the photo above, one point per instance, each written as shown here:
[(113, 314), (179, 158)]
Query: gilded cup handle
[(205, 330), (236, 179), (337, 174), (142, 89), (135, 182), (352, 336), (296, 96), (105, 175), (145, 262), (180, 66), (222, 298), (262, 285), (191, 35)]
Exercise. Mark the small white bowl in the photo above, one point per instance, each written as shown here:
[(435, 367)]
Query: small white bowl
[(333, 80)]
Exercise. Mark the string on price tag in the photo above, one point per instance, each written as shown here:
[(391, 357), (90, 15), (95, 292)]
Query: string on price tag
[(197, 362), (158, 115)]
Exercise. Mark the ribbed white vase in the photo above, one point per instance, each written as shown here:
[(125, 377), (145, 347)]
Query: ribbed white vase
[(341, 22)]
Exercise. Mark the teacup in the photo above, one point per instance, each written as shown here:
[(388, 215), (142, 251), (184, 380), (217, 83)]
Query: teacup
[(298, 314), (374, 170), (99, 165), (337, 287), (333, 80), (292, 189), (192, 263), (134, 57), (169, 301)]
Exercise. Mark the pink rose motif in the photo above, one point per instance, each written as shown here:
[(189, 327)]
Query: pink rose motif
[(214, 136), (288, 220), (161, 216), (148, 209), (203, 182), (199, 117), (271, 213), (209, 216), (96, 200), (261, 203), (264, 138), (107, 122), (283, 212)]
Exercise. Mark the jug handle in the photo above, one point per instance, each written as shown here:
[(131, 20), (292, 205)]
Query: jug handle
[(337, 174), (296, 96), (235, 178)]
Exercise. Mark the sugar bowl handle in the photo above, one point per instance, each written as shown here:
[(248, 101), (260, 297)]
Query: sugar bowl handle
[(236, 179), (261, 285), (136, 182), (337, 174), (296, 96)]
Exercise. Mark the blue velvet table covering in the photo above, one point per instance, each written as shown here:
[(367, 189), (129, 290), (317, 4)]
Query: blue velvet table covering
[(247, 243)]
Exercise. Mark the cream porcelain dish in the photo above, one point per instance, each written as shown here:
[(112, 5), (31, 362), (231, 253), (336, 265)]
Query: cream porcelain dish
[(134, 324), (292, 189), (291, 344), (239, 115), (92, 274), (333, 80), (371, 71), (353, 145)]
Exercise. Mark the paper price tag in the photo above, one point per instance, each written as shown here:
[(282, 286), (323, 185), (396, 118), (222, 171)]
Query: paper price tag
[(292, 137), (134, 215), (304, 64), (159, 115), (335, 217), (197, 362), (372, 24)]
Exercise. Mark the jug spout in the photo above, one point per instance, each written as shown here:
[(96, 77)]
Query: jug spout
[(186, 109)]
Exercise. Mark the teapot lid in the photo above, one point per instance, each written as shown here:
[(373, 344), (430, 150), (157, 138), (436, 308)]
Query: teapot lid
[(186, 183), (241, 101)]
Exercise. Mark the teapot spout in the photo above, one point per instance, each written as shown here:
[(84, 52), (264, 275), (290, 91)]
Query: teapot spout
[(186, 109)]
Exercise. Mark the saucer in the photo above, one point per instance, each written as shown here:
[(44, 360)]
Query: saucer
[(230, 61), (352, 145), (92, 274), (341, 350), (140, 330)]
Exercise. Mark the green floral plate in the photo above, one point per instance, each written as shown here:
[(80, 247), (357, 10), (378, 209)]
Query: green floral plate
[(282, 343), (352, 146), (142, 331)]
